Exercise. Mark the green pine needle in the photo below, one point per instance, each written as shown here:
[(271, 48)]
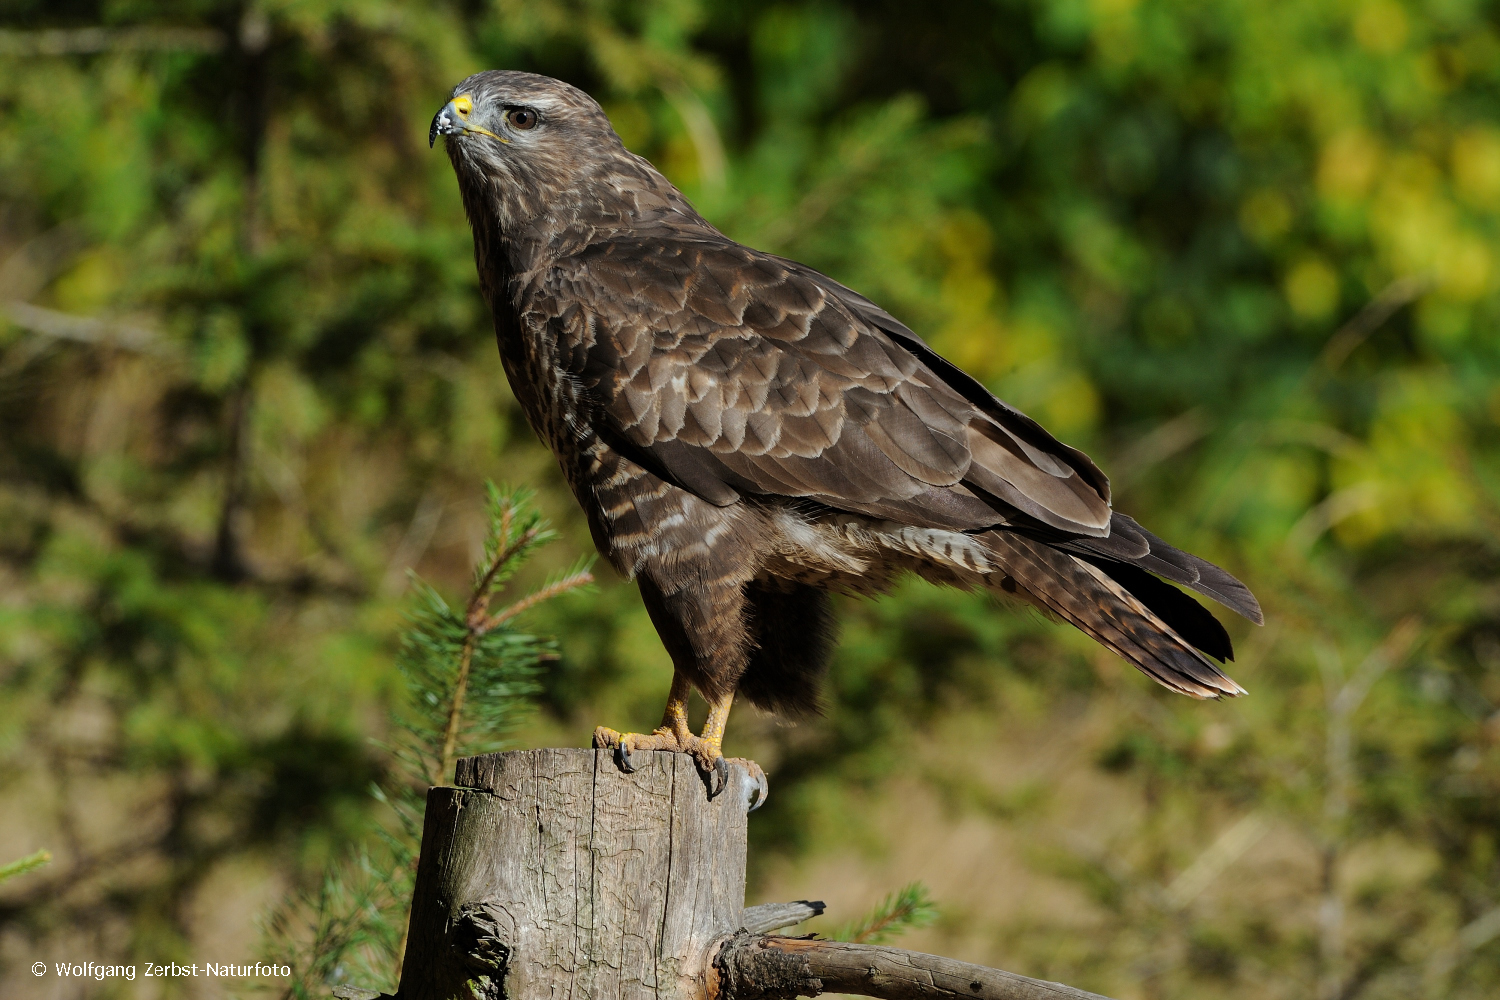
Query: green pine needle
[(906, 909), (23, 865)]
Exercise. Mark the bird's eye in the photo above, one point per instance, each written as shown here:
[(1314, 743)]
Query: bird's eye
[(521, 118)]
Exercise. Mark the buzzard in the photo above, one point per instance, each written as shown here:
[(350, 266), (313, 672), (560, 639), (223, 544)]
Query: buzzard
[(746, 435)]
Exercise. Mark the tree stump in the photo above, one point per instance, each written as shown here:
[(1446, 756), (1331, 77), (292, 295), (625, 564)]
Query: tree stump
[(550, 873)]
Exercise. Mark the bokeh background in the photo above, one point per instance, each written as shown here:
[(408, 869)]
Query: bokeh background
[(1245, 252)]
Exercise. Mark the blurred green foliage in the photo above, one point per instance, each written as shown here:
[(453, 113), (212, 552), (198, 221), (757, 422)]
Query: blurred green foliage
[(1245, 253)]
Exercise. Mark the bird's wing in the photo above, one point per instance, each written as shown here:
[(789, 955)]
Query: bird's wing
[(732, 372)]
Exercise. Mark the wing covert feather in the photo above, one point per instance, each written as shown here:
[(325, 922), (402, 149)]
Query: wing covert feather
[(735, 372)]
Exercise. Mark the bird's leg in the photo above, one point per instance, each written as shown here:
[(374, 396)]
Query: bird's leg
[(712, 742), (674, 736), (707, 749), (718, 719), (674, 719)]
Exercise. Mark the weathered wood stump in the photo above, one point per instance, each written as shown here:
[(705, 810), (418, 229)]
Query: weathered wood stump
[(552, 875)]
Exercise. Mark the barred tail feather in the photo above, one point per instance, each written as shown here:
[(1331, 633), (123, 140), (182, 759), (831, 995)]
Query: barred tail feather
[(1090, 599)]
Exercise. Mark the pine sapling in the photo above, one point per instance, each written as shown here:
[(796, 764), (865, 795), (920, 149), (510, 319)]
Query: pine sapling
[(471, 675)]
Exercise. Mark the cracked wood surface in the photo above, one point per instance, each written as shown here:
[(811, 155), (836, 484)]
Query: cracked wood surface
[(550, 875)]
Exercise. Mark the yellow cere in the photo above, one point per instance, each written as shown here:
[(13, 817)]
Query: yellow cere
[(462, 105)]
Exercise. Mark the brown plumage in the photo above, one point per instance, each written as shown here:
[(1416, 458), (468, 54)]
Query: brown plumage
[(746, 434)]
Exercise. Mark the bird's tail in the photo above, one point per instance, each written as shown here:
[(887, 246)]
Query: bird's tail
[(1124, 609)]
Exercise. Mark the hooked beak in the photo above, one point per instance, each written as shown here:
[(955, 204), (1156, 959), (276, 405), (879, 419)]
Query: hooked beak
[(453, 119)]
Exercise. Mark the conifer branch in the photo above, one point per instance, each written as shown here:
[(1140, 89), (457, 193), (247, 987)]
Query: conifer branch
[(906, 908), (456, 707), (479, 601), (581, 578)]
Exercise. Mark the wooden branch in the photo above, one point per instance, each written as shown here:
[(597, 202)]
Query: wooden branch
[(83, 329), (1375, 312), (768, 917), (767, 967)]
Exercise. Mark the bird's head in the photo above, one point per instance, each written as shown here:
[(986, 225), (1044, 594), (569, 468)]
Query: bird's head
[(539, 158), (536, 114)]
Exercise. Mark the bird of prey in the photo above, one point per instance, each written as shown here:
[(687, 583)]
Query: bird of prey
[(746, 435)]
